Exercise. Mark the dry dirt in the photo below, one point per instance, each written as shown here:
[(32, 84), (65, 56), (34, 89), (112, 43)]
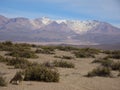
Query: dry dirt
[(70, 79)]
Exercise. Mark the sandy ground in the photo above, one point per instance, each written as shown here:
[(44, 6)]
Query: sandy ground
[(70, 79)]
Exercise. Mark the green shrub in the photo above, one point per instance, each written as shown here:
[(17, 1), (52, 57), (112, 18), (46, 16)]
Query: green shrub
[(24, 54), (86, 52), (90, 50), (100, 71), (18, 62), (49, 48), (106, 62), (83, 55), (2, 81), (66, 48), (38, 73), (9, 46), (63, 64)]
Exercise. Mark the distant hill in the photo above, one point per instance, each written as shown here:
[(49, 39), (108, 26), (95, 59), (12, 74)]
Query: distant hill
[(43, 29)]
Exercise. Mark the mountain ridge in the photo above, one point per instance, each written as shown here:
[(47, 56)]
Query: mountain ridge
[(48, 30)]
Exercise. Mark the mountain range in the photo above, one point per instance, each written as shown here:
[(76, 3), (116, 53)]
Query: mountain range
[(58, 31)]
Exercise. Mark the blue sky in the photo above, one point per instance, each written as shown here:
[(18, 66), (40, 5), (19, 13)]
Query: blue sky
[(102, 10)]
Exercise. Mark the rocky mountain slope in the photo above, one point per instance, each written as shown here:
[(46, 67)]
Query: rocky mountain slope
[(64, 31)]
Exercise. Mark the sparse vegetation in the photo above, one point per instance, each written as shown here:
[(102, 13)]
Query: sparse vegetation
[(115, 66), (63, 64), (47, 71), (66, 48), (86, 53), (9, 46), (16, 62), (83, 55), (2, 81), (44, 51), (107, 51), (49, 48), (38, 73), (100, 71), (108, 63), (24, 54), (2, 59), (113, 54), (18, 50)]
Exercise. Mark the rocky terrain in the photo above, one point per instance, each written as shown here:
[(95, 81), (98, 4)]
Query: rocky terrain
[(90, 32)]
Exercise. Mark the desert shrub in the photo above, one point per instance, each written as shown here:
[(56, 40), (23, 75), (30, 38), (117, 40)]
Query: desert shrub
[(107, 52), (90, 50), (80, 54), (23, 53), (49, 48), (63, 64), (57, 56), (44, 51), (67, 57), (100, 71), (2, 81), (9, 43), (98, 60), (38, 73), (66, 48), (2, 59), (9, 46), (64, 57), (106, 62), (115, 66), (113, 54), (34, 45), (86, 52), (18, 62)]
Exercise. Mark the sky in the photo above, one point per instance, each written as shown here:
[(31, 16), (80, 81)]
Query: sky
[(102, 10)]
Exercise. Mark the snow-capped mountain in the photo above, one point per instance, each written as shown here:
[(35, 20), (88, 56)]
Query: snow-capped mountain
[(48, 30)]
